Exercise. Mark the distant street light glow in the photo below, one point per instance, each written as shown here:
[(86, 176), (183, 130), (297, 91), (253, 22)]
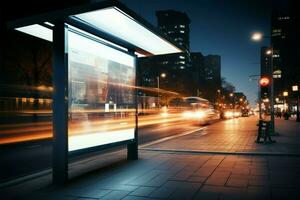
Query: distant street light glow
[(269, 52), (257, 36)]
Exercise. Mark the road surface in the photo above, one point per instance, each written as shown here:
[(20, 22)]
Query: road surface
[(22, 158)]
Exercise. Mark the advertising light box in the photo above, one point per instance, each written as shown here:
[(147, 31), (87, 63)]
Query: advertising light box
[(101, 93)]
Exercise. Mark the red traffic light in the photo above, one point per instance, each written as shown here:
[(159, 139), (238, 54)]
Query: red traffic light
[(264, 81)]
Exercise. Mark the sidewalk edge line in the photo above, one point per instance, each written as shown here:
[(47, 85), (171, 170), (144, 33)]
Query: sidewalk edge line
[(221, 152), (171, 137)]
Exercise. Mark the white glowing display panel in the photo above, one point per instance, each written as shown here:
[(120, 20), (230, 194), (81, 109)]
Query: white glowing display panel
[(37, 30), (101, 93), (119, 24)]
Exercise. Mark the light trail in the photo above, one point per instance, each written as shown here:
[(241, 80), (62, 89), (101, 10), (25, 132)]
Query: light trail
[(43, 130)]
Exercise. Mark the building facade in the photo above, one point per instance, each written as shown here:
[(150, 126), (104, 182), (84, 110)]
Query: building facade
[(286, 51), (176, 25), (187, 73)]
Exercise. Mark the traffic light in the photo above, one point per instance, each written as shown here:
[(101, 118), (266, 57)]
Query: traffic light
[(264, 87)]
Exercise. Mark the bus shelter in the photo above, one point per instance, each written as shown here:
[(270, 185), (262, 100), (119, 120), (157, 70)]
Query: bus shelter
[(95, 48)]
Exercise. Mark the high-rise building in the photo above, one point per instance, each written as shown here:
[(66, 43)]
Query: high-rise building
[(280, 24), (286, 49), (212, 76), (177, 66), (176, 25), (190, 74)]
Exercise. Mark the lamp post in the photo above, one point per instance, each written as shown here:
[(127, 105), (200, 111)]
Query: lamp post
[(251, 77), (163, 75), (259, 37), (295, 89)]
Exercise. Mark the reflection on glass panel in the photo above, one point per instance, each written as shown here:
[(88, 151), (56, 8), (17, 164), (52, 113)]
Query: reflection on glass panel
[(101, 94)]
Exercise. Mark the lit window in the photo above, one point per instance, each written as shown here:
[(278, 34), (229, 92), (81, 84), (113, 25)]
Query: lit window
[(182, 26), (181, 31), (181, 67), (181, 57)]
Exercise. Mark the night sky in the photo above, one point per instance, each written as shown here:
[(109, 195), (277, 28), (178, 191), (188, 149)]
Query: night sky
[(222, 27)]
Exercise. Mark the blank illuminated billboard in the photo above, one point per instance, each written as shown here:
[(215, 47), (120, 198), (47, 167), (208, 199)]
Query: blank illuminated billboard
[(101, 93)]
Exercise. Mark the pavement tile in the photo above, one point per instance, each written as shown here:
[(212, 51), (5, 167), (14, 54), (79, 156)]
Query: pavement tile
[(143, 191), (223, 169), (158, 180), (204, 171), (137, 198), (233, 182), (221, 174), (90, 193), (182, 184), (207, 196), (163, 192), (115, 195), (182, 175), (117, 186), (244, 171), (228, 164), (240, 176), (222, 189), (196, 179), (217, 181), (141, 180), (183, 194)]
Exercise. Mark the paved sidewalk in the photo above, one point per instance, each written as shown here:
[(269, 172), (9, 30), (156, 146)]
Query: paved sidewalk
[(236, 135), (160, 175)]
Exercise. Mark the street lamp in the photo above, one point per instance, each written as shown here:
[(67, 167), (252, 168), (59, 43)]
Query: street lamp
[(258, 37), (163, 75), (295, 89)]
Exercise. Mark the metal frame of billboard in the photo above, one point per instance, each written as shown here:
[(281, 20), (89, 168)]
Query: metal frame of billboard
[(60, 20)]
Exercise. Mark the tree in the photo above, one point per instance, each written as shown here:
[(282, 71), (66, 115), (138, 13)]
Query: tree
[(227, 87)]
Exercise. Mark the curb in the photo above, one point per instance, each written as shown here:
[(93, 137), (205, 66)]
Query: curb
[(185, 151), (172, 137)]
